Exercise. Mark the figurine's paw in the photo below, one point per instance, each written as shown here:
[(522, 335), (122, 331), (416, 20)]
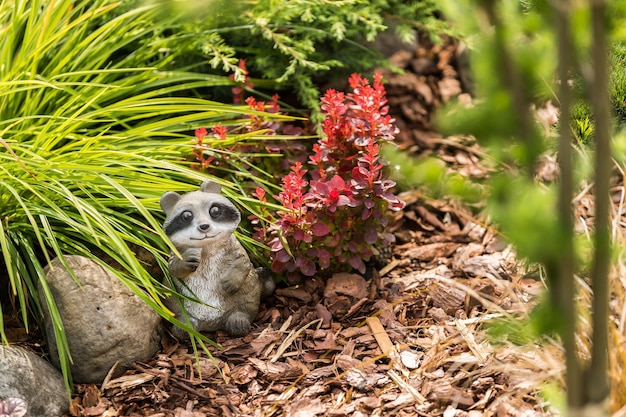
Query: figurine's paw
[(181, 267), (238, 324), (230, 286), (191, 263)]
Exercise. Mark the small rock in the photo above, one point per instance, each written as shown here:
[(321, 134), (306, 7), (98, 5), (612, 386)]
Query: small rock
[(104, 320), (28, 381)]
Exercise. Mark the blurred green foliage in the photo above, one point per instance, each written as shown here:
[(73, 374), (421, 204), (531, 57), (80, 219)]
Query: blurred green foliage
[(513, 58), (523, 54)]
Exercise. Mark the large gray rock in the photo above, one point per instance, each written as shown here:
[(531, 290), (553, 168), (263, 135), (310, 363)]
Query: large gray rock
[(104, 320), (27, 377)]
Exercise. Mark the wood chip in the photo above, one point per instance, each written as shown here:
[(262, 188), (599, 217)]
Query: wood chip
[(471, 342), (351, 285), (128, 381), (381, 336), (432, 251), (289, 340), (389, 267), (419, 398)]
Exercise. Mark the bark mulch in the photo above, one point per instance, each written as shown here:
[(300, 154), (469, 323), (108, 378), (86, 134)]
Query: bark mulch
[(407, 339), (404, 341)]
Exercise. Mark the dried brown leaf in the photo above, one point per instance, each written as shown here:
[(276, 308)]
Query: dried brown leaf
[(344, 283), (276, 370), (295, 292)]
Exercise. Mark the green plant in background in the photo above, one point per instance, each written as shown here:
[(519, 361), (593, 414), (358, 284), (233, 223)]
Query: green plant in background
[(583, 129), (583, 123), (94, 125), (297, 43), (617, 82)]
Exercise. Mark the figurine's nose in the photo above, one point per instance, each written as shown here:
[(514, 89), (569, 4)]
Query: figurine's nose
[(204, 227)]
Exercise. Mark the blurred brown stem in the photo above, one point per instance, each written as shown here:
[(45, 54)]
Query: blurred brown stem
[(597, 381), (563, 290)]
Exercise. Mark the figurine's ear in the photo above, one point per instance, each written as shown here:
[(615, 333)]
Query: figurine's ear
[(168, 201), (211, 187)]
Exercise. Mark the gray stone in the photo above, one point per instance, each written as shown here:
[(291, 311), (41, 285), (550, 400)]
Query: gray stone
[(104, 320), (27, 377)]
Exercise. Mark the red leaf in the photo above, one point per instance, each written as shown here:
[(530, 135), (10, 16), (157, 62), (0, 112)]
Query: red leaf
[(278, 266), (200, 133), (360, 173), (371, 235), (323, 258), (320, 229), (357, 263), (299, 234), (343, 200), (337, 182), (308, 268), (282, 256)]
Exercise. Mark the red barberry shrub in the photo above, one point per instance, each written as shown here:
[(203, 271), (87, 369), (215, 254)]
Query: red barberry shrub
[(334, 214)]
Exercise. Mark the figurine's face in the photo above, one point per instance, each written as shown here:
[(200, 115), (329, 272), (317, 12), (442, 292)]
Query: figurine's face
[(198, 218)]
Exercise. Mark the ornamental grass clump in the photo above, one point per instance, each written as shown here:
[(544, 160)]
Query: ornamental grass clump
[(334, 214), (94, 119)]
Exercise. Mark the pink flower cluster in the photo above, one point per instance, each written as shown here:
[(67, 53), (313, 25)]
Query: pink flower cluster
[(336, 213)]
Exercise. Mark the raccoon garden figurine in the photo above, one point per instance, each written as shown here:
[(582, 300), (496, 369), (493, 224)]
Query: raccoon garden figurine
[(215, 272)]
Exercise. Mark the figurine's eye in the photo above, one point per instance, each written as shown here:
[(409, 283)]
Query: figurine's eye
[(186, 216), (215, 211)]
